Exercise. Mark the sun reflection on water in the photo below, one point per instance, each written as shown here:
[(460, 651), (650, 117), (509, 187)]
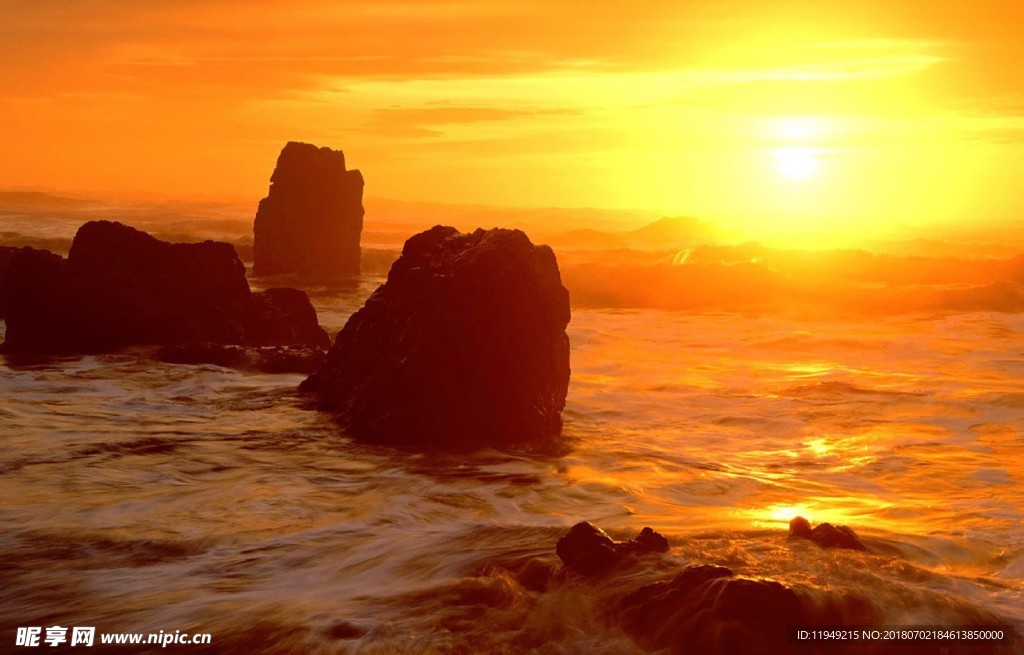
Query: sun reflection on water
[(851, 510)]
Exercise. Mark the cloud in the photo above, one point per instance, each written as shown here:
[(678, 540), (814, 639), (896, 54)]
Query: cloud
[(427, 121), (630, 104)]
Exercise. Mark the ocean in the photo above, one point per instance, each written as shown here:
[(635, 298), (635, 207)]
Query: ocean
[(141, 496)]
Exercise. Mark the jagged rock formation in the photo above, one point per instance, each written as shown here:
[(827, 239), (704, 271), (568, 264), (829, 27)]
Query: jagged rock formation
[(588, 549), (121, 287), (310, 222), (464, 346)]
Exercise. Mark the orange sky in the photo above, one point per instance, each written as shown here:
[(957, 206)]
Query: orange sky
[(779, 117)]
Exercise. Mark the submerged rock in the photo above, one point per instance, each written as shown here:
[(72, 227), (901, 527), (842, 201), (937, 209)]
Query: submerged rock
[(464, 346), (711, 609), (346, 630), (708, 609), (826, 535), (122, 287), (311, 220), (588, 549)]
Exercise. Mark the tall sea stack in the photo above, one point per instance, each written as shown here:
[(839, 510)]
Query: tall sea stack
[(309, 223)]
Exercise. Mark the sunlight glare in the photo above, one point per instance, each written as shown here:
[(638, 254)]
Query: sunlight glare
[(797, 127), (787, 513), (797, 163)]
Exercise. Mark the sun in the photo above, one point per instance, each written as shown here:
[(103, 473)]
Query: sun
[(797, 163)]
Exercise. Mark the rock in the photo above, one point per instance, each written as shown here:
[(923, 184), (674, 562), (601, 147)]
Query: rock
[(44, 307), (589, 550), (122, 287), (826, 535), (346, 630), (649, 541), (708, 609), (463, 347), (137, 262), (285, 316), (7, 254), (266, 359), (800, 527), (310, 222)]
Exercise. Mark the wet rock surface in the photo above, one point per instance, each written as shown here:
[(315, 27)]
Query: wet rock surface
[(825, 535), (463, 347), (284, 317), (708, 609), (7, 254), (588, 549), (310, 223), (121, 287)]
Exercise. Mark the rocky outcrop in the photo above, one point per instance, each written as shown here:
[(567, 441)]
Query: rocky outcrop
[(7, 254), (284, 317), (825, 535), (588, 549), (310, 222), (463, 347), (122, 287)]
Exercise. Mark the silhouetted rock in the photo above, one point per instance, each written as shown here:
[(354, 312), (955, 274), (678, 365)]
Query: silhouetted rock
[(800, 527), (266, 359), (649, 541), (283, 316), (589, 550), (7, 254), (708, 609), (826, 535), (464, 346), (120, 287), (309, 223)]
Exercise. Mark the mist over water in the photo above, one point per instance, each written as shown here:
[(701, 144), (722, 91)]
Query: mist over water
[(143, 496)]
